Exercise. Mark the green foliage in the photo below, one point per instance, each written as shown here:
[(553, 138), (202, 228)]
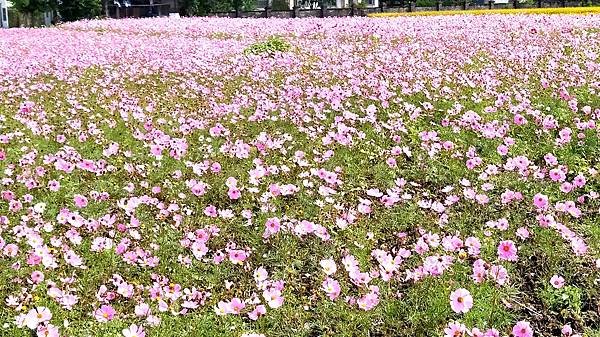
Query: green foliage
[(194, 7), (31, 7), (565, 300), (280, 5), (425, 3), (204, 7), (71, 10), (272, 45)]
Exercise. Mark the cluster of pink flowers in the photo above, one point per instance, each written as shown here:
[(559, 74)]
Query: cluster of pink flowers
[(456, 329)]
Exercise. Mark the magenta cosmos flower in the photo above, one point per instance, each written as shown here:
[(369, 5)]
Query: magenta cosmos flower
[(540, 201), (80, 201), (507, 251), (522, 329)]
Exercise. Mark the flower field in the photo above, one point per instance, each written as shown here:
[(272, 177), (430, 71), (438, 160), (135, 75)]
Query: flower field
[(416, 176)]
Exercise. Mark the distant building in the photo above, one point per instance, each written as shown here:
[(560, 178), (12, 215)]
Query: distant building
[(348, 3), (141, 8), (313, 4), (147, 8)]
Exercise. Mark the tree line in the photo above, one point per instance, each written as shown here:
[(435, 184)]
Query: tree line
[(71, 10)]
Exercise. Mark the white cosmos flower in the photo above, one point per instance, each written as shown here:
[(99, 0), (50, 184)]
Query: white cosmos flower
[(39, 207), (37, 316)]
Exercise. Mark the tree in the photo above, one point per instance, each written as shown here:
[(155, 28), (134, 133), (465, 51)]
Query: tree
[(204, 7), (194, 7), (30, 8), (248, 5), (281, 5), (71, 10)]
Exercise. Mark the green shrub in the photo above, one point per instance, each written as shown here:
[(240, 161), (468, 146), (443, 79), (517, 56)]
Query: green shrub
[(72, 10), (272, 45), (567, 300), (425, 3)]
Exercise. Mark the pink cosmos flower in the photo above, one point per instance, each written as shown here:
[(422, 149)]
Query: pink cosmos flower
[(37, 277), (479, 271), (234, 193), (273, 297), (142, 310), (211, 211), (53, 185), (475, 332), (368, 301), (104, 314), (557, 175), (461, 301), (579, 181), (523, 233), (231, 182), (540, 201), (492, 333), (236, 306), (260, 274), (455, 329), (260, 310), (507, 251), (332, 288), (499, 274), (215, 167), (80, 201), (550, 159), (47, 330), (519, 119), (566, 330), (557, 281), (198, 189), (237, 256), (134, 331), (272, 226), (566, 187), (222, 308), (522, 329), (11, 250), (502, 149)]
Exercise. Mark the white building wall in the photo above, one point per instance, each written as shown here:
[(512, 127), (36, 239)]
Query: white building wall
[(48, 19), (3, 14)]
